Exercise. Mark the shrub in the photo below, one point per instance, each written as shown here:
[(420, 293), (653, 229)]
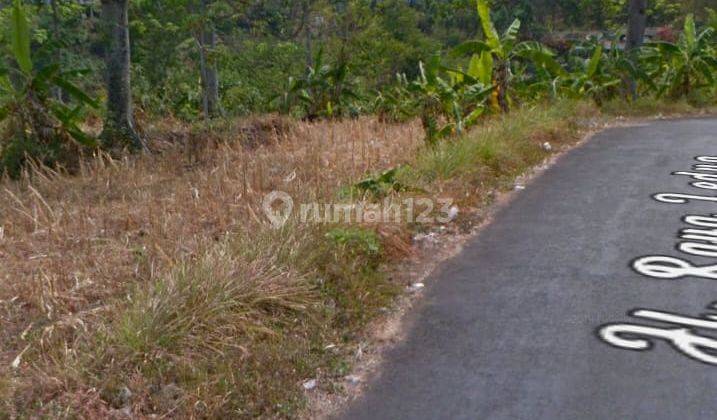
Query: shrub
[(36, 125)]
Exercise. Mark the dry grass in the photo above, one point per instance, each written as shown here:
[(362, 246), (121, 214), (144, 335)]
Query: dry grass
[(155, 285), (159, 256)]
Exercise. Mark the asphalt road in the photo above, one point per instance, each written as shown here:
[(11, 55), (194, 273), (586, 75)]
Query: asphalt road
[(510, 328)]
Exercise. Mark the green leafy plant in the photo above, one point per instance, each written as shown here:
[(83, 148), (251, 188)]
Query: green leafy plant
[(394, 103), (356, 240), (448, 105), (590, 81), (35, 124), (381, 184), (685, 66), (711, 18), (601, 76), (492, 57), (325, 91)]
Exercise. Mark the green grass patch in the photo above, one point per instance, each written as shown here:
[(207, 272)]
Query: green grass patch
[(505, 146), (646, 107)]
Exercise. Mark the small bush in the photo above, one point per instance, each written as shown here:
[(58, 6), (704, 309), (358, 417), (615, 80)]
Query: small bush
[(35, 124)]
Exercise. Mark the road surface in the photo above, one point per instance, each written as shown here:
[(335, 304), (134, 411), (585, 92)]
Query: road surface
[(532, 320)]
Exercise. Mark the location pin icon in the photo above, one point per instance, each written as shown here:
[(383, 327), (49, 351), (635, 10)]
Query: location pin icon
[(279, 216)]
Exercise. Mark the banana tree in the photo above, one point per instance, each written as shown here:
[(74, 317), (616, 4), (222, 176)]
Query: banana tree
[(35, 123), (394, 103), (589, 81), (324, 91), (492, 57), (711, 18), (682, 67), (601, 76), (448, 106)]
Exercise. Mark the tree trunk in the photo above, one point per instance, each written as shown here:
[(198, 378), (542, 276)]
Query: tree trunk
[(501, 80), (119, 130), (207, 67), (307, 35), (56, 91), (637, 15), (309, 52)]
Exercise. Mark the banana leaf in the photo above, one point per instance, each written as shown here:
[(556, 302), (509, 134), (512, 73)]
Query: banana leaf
[(20, 38), (470, 47), (487, 24)]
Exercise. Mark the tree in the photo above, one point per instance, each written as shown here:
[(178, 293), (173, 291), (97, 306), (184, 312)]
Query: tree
[(637, 20), (306, 21), (686, 65), (56, 24), (119, 130), (493, 57), (210, 80)]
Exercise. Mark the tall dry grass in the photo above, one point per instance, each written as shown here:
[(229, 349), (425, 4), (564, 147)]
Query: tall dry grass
[(162, 268), (155, 286)]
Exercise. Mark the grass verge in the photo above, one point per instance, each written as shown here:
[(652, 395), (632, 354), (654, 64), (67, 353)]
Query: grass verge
[(648, 107)]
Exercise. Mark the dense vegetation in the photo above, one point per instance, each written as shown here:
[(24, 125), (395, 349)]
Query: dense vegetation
[(327, 59)]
